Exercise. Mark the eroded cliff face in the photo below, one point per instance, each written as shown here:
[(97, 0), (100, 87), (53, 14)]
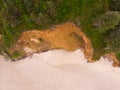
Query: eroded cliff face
[(65, 36)]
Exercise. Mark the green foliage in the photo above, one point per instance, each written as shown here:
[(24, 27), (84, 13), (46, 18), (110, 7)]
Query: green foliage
[(118, 55), (16, 55), (82, 9), (115, 5), (113, 40), (68, 10), (107, 21)]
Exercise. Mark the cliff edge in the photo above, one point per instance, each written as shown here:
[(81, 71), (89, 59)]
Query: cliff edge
[(65, 36)]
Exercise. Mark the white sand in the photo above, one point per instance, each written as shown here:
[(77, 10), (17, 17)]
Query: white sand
[(58, 70)]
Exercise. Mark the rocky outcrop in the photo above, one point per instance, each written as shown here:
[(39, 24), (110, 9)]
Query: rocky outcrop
[(112, 57), (65, 36)]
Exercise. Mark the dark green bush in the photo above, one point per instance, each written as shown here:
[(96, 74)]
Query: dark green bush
[(113, 40), (115, 5), (107, 21)]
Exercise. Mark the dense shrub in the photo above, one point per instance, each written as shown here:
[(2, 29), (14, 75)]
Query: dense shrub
[(113, 40), (107, 21), (115, 5)]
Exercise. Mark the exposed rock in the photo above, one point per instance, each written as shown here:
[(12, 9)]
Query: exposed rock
[(65, 36), (112, 57)]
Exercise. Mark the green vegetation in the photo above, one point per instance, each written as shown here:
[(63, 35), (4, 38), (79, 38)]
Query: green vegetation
[(107, 21), (99, 19), (16, 55), (113, 40)]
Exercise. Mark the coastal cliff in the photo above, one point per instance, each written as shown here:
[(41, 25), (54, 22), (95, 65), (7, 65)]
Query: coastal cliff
[(65, 36)]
